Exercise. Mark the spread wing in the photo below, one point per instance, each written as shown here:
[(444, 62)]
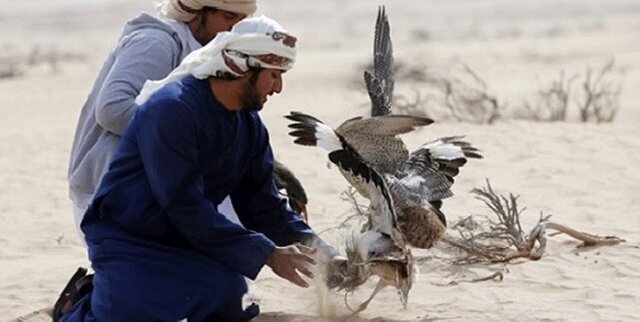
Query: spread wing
[(308, 130), (376, 139), (382, 216), (430, 170), (380, 83)]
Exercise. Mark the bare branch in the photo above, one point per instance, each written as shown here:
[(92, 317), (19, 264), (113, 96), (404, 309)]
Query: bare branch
[(469, 100), (497, 276), (586, 238), (551, 101), (490, 242), (600, 98), (415, 106)]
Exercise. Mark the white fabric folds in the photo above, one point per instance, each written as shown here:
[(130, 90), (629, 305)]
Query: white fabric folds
[(253, 42), (184, 10)]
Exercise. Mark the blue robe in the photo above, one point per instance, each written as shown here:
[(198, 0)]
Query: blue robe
[(158, 246)]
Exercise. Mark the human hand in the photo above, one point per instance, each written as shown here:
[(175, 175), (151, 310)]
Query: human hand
[(287, 262)]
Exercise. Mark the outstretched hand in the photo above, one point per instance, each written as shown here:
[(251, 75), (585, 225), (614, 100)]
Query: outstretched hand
[(289, 261)]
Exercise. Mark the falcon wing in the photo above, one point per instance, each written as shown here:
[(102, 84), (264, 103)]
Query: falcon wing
[(380, 83), (382, 216), (430, 170), (376, 139), (308, 130)]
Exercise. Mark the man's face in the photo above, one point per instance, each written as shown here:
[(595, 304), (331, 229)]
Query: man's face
[(212, 21), (259, 86)]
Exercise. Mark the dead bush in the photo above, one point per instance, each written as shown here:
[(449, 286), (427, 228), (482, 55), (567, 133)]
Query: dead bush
[(599, 99), (468, 100), (15, 63), (596, 99), (491, 241), (461, 97), (551, 101)]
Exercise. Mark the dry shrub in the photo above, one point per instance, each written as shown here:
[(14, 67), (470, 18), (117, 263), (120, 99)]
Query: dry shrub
[(597, 98), (468, 100), (356, 216), (462, 97), (482, 240), (600, 95), (15, 63), (491, 241), (552, 101), (416, 104)]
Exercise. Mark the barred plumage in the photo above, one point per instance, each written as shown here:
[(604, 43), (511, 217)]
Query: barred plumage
[(376, 162), (294, 191), (380, 84), (381, 248)]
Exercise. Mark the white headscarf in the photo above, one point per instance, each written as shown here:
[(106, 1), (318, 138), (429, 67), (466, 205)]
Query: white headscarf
[(184, 10), (253, 42)]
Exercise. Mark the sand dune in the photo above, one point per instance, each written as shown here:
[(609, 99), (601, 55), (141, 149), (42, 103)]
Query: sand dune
[(582, 174)]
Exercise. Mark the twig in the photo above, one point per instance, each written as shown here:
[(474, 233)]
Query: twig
[(552, 101), (505, 241), (587, 239), (600, 98), (360, 210), (470, 101), (497, 276)]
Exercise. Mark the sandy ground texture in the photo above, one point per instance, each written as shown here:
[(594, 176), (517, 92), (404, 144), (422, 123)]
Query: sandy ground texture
[(582, 174)]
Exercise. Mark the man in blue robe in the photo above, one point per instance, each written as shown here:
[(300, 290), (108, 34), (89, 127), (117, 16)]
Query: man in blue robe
[(159, 248)]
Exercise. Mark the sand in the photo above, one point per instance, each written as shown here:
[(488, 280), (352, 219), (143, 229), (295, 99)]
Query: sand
[(582, 174)]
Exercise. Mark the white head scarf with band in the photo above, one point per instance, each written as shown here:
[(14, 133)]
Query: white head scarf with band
[(185, 10), (253, 42)]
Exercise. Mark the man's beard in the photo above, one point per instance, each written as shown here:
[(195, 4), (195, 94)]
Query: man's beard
[(202, 35), (250, 98)]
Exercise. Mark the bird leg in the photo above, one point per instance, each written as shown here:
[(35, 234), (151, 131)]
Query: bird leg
[(381, 284)]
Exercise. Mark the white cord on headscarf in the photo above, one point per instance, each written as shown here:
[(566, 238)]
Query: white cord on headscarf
[(253, 42), (174, 10)]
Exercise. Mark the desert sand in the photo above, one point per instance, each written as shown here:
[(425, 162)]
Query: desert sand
[(582, 173)]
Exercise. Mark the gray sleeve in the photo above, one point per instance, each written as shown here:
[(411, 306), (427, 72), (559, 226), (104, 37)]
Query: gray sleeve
[(139, 58)]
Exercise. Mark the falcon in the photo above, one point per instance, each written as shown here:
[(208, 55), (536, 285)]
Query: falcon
[(417, 181)]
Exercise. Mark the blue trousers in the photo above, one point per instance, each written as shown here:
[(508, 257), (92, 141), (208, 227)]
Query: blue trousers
[(139, 281)]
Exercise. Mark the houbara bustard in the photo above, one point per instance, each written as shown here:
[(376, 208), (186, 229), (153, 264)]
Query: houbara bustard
[(380, 248), (417, 181), (404, 189)]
